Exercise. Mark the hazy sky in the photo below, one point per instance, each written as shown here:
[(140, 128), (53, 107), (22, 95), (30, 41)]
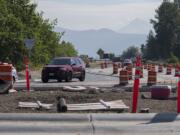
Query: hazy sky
[(95, 14)]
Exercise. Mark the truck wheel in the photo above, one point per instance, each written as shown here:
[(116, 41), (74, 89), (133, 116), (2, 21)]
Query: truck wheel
[(59, 80), (44, 78), (82, 77)]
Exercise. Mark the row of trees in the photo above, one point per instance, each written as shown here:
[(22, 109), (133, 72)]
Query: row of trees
[(19, 21), (164, 42)]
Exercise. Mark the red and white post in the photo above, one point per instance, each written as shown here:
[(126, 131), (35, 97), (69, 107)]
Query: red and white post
[(26, 61), (136, 84)]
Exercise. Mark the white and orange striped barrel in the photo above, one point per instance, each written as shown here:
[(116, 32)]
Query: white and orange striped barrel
[(129, 68), (123, 77), (152, 78), (160, 68), (115, 68)]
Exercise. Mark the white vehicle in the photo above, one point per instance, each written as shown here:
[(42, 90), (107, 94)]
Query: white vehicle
[(127, 62), (14, 74)]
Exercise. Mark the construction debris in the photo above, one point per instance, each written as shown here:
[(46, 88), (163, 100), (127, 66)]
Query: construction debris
[(74, 89), (61, 105), (12, 91), (144, 110), (36, 104)]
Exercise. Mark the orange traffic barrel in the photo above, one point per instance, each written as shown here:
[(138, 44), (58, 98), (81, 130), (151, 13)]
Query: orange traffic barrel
[(115, 68), (130, 70), (176, 72), (141, 73), (119, 65), (6, 79), (160, 68), (149, 67), (123, 77), (145, 66), (153, 67), (169, 69), (105, 65), (102, 65), (152, 78)]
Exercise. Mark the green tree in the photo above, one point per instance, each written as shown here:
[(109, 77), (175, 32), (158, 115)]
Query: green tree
[(151, 51), (130, 52), (66, 49), (111, 56), (165, 26), (20, 20), (173, 59), (100, 52)]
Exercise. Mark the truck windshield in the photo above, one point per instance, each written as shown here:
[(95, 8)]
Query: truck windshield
[(60, 62)]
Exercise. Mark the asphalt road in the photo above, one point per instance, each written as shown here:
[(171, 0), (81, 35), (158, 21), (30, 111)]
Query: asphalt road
[(91, 80), (96, 77)]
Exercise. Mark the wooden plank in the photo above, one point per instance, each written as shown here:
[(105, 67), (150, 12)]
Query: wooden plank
[(100, 107), (114, 105), (34, 105), (111, 102), (105, 104)]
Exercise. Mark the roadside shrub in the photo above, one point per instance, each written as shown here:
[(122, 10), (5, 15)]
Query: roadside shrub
[(173, 59)]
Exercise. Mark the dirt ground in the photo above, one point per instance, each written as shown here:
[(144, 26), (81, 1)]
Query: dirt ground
[(9, 102)]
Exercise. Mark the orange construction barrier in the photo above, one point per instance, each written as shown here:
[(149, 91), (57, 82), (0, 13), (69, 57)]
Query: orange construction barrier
[(141, 72), (115, 68), (169, 69), (153, 67), (177, 71), (102, 65), (149, 67), (160, 68), (6, 73), (119, 65), (105, 65), (145, 66), (123, 77), (130, 70), (152, 78), (6, 77)]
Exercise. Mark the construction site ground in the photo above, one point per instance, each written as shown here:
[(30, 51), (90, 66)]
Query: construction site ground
[(9, 102)]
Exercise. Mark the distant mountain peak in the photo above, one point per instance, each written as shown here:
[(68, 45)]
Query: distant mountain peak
[(136, 26)]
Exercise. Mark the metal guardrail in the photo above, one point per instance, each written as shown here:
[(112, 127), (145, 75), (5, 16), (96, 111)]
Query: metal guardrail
[(89, 124)]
